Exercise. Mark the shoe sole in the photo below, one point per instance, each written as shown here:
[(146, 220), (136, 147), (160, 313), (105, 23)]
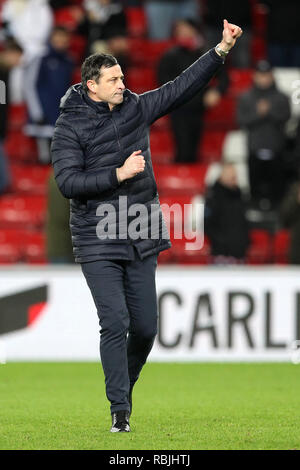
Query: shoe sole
[(118, 430)]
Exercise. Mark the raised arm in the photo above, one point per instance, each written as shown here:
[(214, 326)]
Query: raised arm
[(170, 96)]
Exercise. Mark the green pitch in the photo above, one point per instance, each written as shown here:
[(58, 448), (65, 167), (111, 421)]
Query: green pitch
[(175, 406)]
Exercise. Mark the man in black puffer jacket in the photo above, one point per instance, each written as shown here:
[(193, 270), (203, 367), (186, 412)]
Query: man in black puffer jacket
[(102, 162)]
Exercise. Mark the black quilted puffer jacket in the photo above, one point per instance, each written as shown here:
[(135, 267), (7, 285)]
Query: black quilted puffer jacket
[(90, 142)]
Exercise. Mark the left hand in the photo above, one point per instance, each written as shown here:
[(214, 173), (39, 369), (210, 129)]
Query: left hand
[(263, 107), (231, 33), (211, 98)]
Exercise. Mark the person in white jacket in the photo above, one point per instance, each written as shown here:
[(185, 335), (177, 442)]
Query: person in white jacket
[(29, 22)]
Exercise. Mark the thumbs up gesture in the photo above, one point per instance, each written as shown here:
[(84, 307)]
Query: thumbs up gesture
[(231, 33)]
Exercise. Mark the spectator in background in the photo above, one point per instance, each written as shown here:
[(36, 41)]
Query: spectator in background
[(290, 218), (225, 221), (161, 15), (283, 32), (215, 11), (10, 57), (59, 244), (47, 78), (187, 121), (115, 44), (101, 21), (263, 111), (29, 22)]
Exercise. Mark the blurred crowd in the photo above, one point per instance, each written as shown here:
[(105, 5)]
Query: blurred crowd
[(43, 43)]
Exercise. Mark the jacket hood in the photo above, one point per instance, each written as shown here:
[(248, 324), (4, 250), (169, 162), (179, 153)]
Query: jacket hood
[(73, 99)]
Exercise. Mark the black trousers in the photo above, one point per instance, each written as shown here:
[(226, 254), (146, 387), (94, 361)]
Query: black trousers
[(266, 178), (124, 293), (187, 131)]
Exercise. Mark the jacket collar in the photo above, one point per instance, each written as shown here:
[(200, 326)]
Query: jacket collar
[(76, 99)]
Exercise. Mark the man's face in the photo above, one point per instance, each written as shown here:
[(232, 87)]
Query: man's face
[(184, 30), (263, 80), (229, 176), (12, 58), (60, 40), (110, 86)]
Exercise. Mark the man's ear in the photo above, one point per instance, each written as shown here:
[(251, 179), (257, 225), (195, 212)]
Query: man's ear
[(91, 84)]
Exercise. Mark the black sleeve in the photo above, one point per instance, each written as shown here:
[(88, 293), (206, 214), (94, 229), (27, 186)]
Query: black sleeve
[(157, 103), (68, 163)]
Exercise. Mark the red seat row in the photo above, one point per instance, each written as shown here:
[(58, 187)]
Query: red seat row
[(267, 248), (264, 249), (180, 179), (163, 146), (18, 245), (21, 148), (30, 179), (18, 211), (137, 22)]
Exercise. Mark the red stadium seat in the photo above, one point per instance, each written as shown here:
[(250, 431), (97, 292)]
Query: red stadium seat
[(35, 248), (180, 179), (144, 52), (162, 146), (211, 146), (222, 116), (76, 77), (260, 250), (166, 257), (259, 18), (258, 49), (22, 211), (65, 17), (77, 48), (240, 81), (176, 210), (17, 116), (161, 124), (20, 148), (139, 79), (183, 254), (136, 21), (11, 246), (30, 179), (281, 246), (22, 245)]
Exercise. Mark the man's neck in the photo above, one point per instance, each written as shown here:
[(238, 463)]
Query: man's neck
[(97, 100)]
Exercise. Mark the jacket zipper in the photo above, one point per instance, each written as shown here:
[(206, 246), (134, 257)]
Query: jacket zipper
[(120, 147), (118, 139)]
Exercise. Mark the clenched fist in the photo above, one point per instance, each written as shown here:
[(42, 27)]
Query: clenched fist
[(134, 164), (231, 33)]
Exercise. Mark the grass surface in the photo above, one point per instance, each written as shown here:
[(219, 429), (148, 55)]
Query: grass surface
[(176, 406)]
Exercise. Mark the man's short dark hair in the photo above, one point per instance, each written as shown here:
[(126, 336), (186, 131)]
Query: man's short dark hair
[(11, 45), (60, 29), (90, 69)]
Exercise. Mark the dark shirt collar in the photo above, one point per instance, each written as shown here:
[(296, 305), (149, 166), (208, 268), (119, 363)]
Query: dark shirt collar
[(98, 106)]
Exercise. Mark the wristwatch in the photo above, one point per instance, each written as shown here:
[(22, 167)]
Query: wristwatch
[(221, 52)]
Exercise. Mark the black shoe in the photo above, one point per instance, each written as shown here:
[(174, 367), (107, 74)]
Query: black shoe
[(120, 421)]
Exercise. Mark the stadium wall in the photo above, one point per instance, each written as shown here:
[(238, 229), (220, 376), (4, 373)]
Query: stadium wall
[(206, 314)]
